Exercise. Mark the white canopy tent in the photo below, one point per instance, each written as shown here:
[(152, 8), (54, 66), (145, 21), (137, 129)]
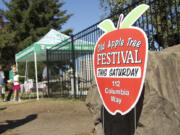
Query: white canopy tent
[(37, 51)]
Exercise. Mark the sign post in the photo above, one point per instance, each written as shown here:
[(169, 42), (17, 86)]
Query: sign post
[(120, 59)]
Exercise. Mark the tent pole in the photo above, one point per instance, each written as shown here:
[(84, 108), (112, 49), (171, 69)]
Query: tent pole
[(35, 64), (26, 70), (16, 66)]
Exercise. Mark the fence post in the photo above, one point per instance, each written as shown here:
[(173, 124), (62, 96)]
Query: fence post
[(73, 65)]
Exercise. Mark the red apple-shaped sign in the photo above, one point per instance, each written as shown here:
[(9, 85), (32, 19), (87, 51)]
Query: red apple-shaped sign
[(120, 59)]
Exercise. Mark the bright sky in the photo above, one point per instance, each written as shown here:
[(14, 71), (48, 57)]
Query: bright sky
[(86, 13)]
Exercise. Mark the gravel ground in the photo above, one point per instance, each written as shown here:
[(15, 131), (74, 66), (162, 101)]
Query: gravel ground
[(45, 117)]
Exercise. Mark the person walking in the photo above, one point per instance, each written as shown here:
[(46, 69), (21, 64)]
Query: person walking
[(2, 84), (11, 76)]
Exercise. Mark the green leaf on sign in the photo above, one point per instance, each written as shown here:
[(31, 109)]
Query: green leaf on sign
[(133, 16), (107, 26)]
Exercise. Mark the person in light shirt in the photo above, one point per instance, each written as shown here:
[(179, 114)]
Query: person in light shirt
[(45, 72), (16, 86)]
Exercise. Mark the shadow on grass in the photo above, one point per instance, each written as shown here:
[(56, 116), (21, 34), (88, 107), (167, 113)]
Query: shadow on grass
[(3, 108), (11, 124)]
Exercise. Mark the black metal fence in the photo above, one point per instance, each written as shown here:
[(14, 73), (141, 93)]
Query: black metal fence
[(70, 63)]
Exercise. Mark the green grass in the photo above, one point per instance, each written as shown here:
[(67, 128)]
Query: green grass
[(54, 96)]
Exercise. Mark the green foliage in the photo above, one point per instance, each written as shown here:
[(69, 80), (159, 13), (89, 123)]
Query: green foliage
[(165, 20), (28, 21), (31, 70), (161, 20)]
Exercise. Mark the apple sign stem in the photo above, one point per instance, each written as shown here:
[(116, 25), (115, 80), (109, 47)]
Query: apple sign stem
[(121, 17)]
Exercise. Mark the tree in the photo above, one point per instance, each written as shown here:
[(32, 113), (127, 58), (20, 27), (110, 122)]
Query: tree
[(160, 21), (28, 21)]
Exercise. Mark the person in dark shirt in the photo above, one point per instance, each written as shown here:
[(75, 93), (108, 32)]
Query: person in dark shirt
[(11, 76)]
